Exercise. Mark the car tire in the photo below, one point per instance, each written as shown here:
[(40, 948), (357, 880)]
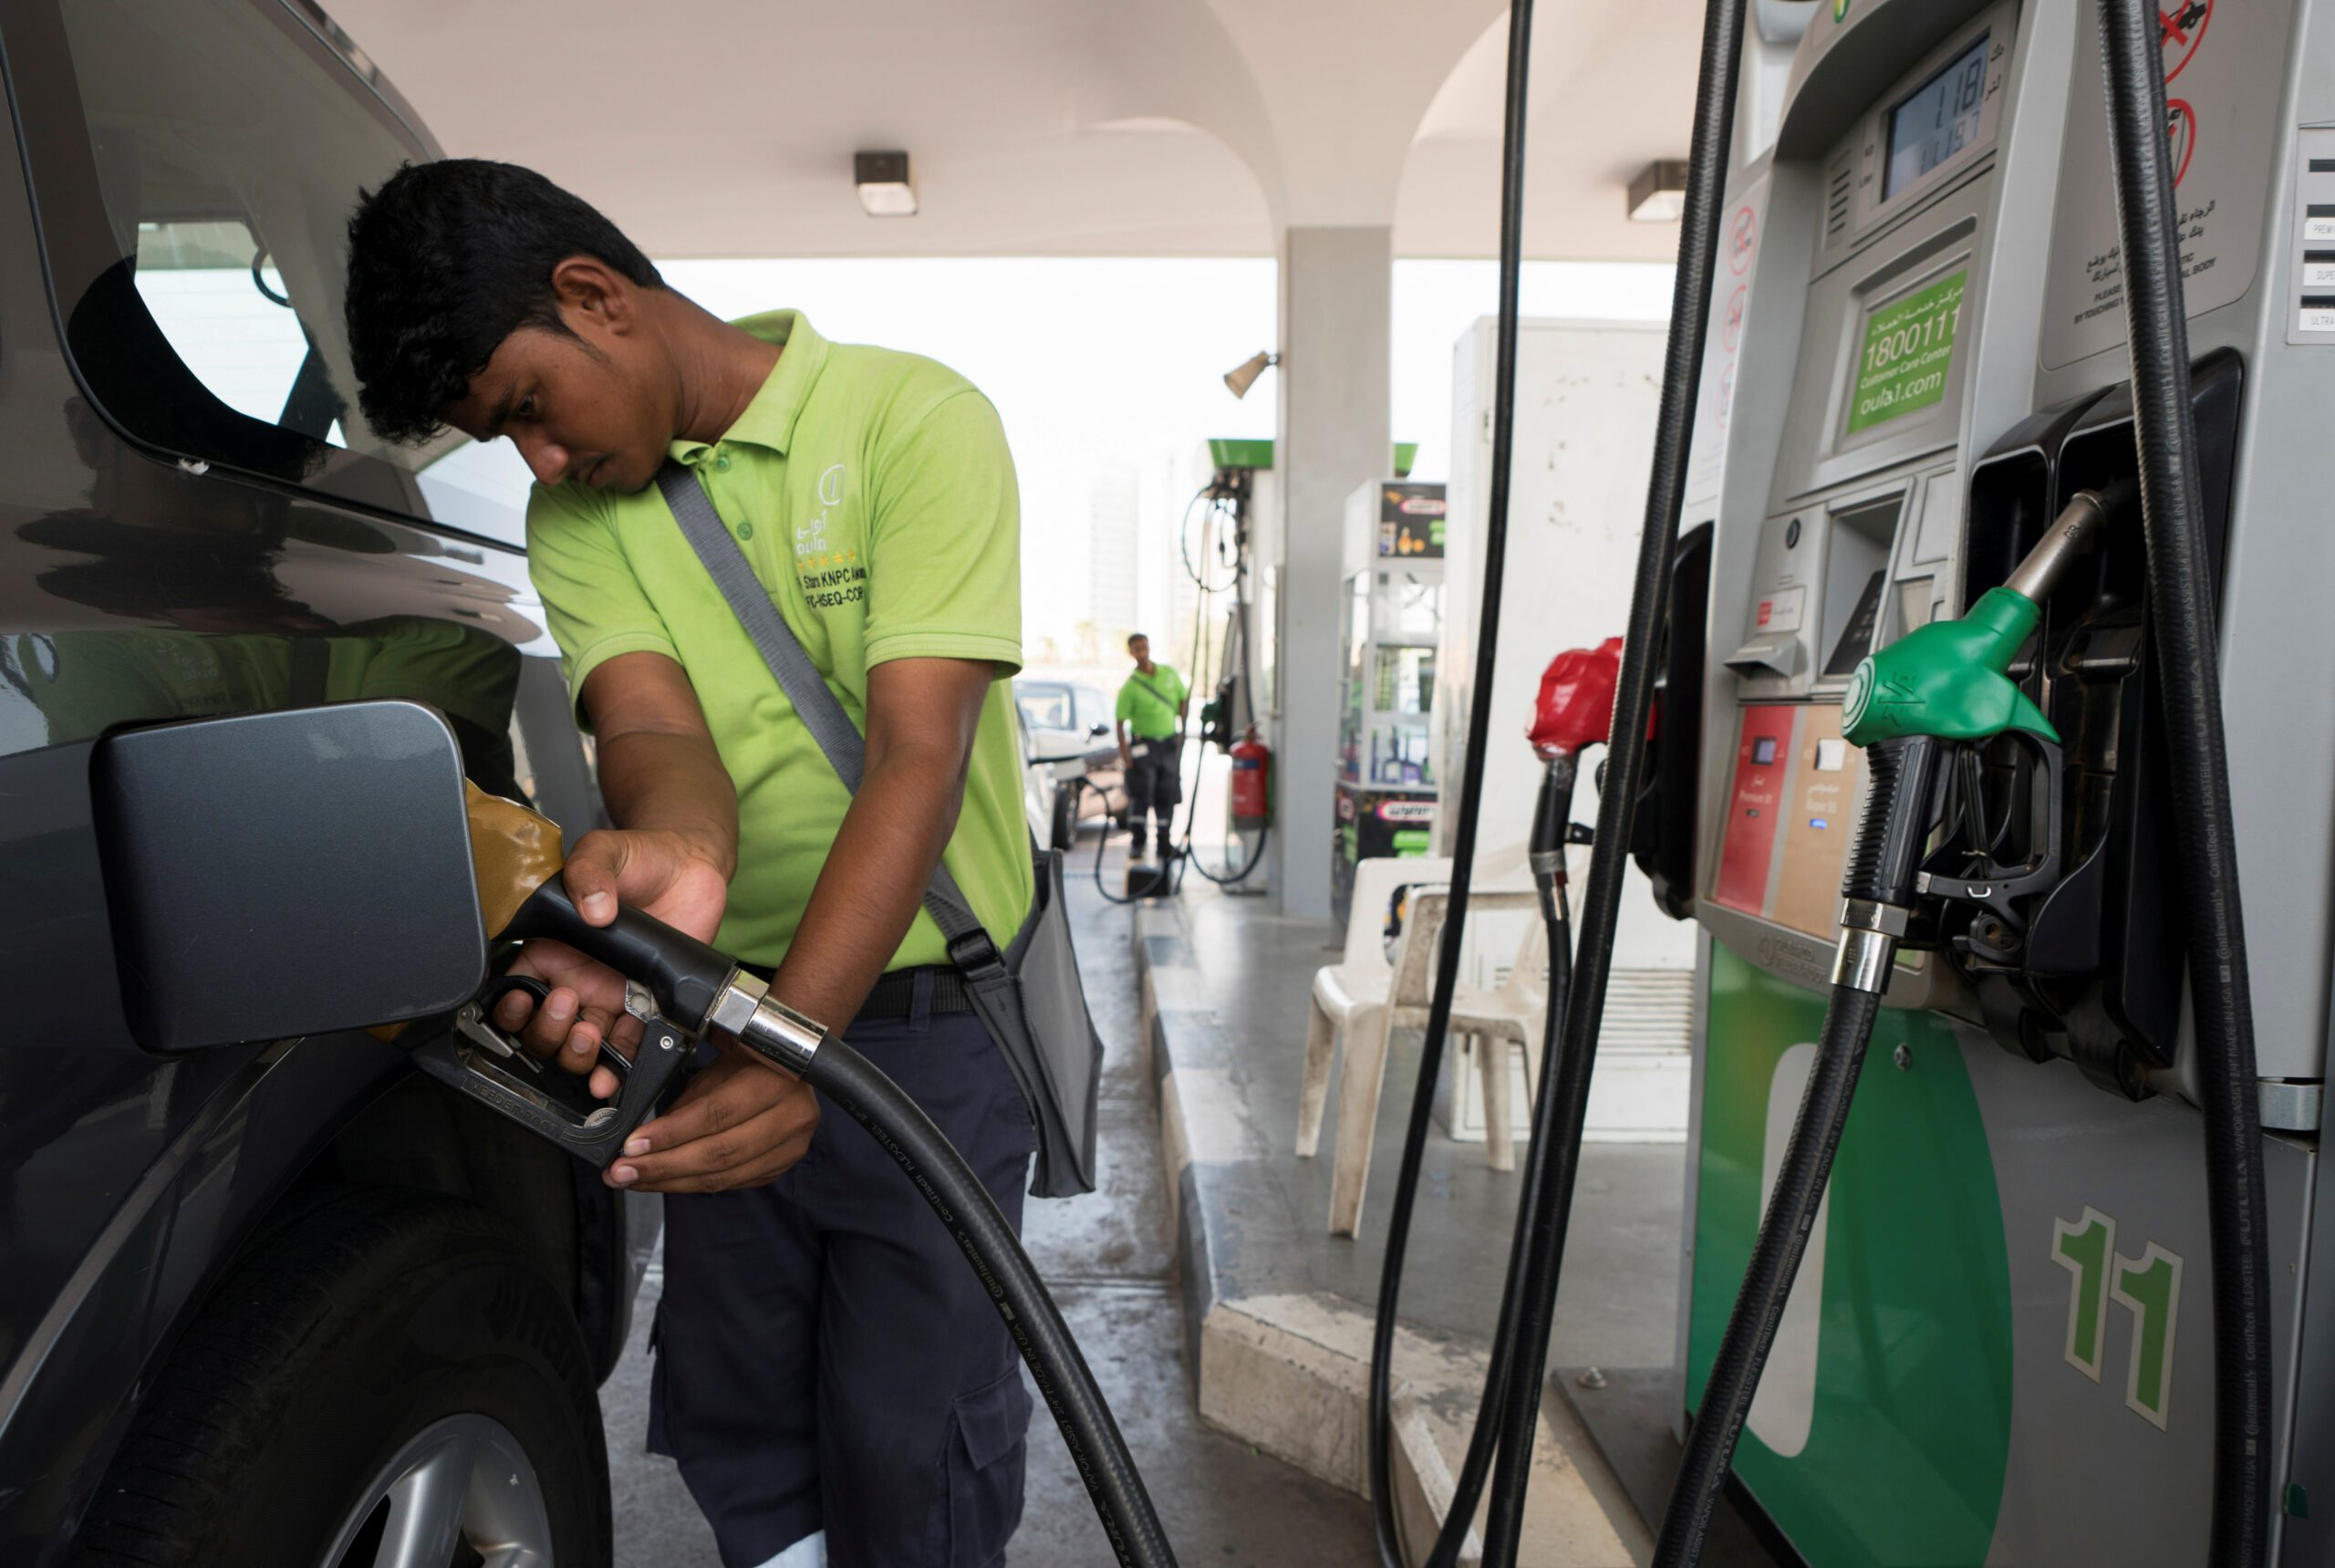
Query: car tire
[(354, 1337), (1065, 830)]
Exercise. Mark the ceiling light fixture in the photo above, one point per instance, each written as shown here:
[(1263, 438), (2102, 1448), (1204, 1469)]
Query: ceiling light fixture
[(1244, 376), (1658, 195), (884, 188)]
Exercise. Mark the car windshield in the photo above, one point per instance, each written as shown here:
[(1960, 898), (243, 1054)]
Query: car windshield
[(1044, 707)]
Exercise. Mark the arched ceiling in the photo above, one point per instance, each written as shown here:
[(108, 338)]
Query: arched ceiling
[(1053, 126)]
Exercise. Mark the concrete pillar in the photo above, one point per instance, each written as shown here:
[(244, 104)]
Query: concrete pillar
[(1336, 302)]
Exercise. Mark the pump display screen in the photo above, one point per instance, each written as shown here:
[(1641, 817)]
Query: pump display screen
[(1908, 349), (1939, 119)]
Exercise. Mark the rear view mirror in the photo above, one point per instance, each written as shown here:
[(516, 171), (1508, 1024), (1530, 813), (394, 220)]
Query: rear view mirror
[(287, 873), (1099, 730)]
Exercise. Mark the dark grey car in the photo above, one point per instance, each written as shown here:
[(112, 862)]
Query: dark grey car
[(288, 1304)]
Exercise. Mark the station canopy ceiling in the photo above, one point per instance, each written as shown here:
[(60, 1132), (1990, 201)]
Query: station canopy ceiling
[(725, 128)]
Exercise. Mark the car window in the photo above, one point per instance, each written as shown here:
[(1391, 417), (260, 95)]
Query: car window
[(202, 293), (1043, 707), (220, 300), (1092, 708)]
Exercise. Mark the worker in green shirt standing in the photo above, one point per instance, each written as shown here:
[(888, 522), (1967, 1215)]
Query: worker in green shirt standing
[(1151, 717), (833, 1380)]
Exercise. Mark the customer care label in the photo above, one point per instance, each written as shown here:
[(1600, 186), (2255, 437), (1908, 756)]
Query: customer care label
[(1907, 350)]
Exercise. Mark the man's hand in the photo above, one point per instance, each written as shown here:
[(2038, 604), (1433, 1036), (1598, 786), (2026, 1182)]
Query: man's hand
[(669, 875), (740, 1123), (663, 780)]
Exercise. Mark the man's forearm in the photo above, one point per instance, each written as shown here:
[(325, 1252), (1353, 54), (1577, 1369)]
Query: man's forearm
[(874, 882), (657, 782)]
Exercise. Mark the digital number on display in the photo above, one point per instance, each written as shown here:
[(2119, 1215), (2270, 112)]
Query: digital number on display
[(1936, 121)]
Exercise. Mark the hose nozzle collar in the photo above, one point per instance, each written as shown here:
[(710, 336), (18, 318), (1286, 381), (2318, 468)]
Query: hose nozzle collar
[(748, 1013)]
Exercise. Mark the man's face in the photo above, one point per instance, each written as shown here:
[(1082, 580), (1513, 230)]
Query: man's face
[(589, 408), (1140, 649)]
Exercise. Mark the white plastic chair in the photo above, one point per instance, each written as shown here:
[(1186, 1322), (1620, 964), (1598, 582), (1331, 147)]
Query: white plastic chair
[(1508, 1016), (1358, 1001)]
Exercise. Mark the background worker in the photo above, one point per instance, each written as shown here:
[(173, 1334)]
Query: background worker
[(830, 1377), (1151, 708)]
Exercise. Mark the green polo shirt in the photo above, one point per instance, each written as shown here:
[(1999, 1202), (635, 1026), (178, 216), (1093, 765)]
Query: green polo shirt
[(874, 495), (1147, 702)]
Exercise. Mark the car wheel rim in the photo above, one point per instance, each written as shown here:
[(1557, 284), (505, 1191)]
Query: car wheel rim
[(461, 1492)]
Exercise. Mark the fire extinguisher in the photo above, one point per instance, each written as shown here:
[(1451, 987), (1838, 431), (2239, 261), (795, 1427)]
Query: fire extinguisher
[(1251, 764)]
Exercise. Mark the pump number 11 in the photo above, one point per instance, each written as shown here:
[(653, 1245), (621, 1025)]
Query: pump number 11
[(2147, 1286)]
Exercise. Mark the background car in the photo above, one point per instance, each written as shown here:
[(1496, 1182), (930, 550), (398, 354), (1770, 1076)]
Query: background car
[(1068, 724), (260, 1300)]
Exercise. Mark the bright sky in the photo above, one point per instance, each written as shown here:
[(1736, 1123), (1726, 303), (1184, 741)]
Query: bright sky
[(1094, 362)]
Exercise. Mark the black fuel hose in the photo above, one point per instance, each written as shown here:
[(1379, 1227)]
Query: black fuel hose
[(1385, 1528), (2181, 584), (1553, 820), (963, 1205), (1883, 860), (1690, 298)]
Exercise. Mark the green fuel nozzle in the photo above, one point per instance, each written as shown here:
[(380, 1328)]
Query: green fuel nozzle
[(1950, 679)]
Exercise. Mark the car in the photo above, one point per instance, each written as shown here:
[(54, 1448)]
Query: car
[(1042, 792), (279, 1295), (1068, 728)]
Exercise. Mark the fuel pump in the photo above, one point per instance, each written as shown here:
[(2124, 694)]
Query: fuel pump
[(1228, 717), (2019, 277)]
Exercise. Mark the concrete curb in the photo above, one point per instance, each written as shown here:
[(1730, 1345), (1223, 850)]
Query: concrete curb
[(1288, 1372)]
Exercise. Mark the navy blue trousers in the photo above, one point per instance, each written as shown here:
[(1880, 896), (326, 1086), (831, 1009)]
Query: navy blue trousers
[(826, 1357), (1154, 784)]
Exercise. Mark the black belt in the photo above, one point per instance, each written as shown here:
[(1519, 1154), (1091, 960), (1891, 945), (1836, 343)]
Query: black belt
[(895, 993)]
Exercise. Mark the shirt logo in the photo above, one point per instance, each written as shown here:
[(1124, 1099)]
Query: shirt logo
[(831, 577), (811, 540)]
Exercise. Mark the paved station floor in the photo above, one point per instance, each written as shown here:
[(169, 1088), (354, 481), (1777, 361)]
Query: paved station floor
[(1617, 1302), (1109, 1261)]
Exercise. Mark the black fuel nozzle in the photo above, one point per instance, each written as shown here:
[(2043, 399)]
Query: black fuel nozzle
[(686, 983), (696, 986), (686, 976)]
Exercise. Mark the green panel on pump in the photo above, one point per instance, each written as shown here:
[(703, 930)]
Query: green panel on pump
[(1881, 1430)]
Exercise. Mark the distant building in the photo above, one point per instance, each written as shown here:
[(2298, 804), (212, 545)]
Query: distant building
[(1114, 513)]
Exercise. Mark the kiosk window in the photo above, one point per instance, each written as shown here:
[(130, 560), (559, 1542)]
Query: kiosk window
[(1938, 120)]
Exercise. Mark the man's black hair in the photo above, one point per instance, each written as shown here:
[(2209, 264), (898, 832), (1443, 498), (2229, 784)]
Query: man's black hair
[(1136, 637), (445, 261)]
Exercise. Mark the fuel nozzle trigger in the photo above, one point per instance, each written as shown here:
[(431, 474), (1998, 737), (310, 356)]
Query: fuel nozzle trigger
[(473, 1057)]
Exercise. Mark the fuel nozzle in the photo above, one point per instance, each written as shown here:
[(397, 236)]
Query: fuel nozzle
[(1949, 680), (1573, 712), (517, 856), (1942, 684)]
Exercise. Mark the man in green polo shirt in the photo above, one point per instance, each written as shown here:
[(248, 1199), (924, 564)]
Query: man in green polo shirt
[(1152, 701), (829, 1374)]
